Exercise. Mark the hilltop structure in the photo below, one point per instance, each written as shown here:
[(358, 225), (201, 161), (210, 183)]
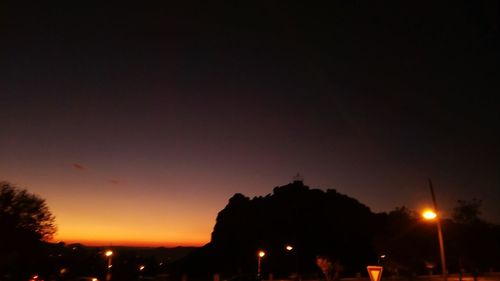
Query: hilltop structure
[(314, 222)]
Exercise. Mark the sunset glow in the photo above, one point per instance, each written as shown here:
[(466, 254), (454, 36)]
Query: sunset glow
[(122, 222), (137, 125)]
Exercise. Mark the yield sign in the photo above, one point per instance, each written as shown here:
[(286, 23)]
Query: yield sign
[(375, 272)]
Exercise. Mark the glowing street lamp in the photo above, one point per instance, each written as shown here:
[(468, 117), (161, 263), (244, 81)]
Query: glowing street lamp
[(260, 255), (380, 258), (429, 215), (109, 255), (432, 215), (289, 248)]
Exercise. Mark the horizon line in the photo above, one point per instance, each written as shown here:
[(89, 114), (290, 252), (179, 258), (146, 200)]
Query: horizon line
[(125, 243)]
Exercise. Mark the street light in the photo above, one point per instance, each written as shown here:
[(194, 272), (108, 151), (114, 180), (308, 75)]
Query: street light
[(260, 255), (434, 216), (289, 248), (109, 255), (431, 215), (380, 258)]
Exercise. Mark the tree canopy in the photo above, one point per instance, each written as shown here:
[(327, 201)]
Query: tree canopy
[(25, 213), (467, 211), (26, 224)]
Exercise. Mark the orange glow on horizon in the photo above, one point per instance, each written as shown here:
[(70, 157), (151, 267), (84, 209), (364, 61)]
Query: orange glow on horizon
[(138, 241), (132, 239), (136, 235), (132, 243), (109, 218)]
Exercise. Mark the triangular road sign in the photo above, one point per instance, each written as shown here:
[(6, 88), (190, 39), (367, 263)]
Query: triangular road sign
[(375, 272)]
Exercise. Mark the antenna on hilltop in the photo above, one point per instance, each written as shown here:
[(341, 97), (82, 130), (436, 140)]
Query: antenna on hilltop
[(298, 178)]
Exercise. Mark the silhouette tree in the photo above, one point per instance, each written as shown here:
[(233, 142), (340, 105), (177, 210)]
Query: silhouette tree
[(25, 223), (330, 269), (21, 211), (472, 240), (405, 240), (467, 211)]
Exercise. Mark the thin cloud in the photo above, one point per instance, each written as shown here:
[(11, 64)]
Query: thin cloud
[(114, 181), (78, 167)]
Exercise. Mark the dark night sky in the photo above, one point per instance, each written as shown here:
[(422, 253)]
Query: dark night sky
[(161, 113)]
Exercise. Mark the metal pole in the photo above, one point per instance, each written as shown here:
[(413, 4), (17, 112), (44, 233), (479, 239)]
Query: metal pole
[(440, 234), (297, 264), (108, 274), (258, 268)]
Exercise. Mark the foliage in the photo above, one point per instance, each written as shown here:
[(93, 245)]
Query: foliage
[(25, 223), (21, 211), (405, 241), (467, 211), (473, 241), (330, 269)]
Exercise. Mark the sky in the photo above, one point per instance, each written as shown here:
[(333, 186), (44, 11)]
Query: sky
[(137, 123)]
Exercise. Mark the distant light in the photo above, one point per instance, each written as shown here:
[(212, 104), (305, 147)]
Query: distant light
[(109, 253), (289, 247), (262, 254), (429, 215), (141, 268), (94, 279), (382, 256)]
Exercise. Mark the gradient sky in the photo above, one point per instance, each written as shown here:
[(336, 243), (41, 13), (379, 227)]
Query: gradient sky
[(137, 124)]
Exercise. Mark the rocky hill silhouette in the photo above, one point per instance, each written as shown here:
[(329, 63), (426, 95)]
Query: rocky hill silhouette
[(313, 221)]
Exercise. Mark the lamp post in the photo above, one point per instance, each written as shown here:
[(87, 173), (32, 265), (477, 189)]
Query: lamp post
[(289, 248), (432, 215), (380, 258), (141, 270), (109, 255), (260, 255)]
